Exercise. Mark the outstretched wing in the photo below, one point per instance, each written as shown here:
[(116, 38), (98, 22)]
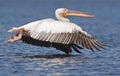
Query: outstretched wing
[(70, 38), (63, 33)]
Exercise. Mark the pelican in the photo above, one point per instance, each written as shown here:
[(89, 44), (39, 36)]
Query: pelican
[(60, 34)]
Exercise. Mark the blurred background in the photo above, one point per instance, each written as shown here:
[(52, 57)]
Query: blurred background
[(19, 59)]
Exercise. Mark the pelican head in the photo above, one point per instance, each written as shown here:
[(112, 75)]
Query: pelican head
[(62, 12)]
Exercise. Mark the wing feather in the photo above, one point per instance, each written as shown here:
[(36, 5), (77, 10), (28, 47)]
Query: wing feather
[(70, 38), (63, 33)]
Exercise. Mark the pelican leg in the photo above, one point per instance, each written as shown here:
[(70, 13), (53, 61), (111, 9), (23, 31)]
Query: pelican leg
[(15, 38)]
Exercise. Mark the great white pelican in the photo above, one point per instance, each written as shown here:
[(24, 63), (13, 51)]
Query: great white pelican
[(60, 34)]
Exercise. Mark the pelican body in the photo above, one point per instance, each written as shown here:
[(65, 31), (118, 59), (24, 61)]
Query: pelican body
[(60, 34)]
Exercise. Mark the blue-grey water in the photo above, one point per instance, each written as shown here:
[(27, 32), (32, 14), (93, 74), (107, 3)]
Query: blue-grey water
[(19, 59)]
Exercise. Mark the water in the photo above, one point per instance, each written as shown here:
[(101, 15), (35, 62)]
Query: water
[(19, 59)]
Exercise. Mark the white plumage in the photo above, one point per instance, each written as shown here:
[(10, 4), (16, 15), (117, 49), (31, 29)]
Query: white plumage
[(50, 25), (60, 34)]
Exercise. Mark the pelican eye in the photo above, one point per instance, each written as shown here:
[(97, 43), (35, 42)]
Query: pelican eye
[(62, 14)]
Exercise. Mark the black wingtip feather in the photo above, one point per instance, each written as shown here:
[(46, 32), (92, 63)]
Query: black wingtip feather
[(78, 46), (63, 47), (75, 48)]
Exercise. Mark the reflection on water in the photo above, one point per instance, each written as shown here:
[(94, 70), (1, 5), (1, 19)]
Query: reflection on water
[(50, 64), (60, 58), (48, 56)]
